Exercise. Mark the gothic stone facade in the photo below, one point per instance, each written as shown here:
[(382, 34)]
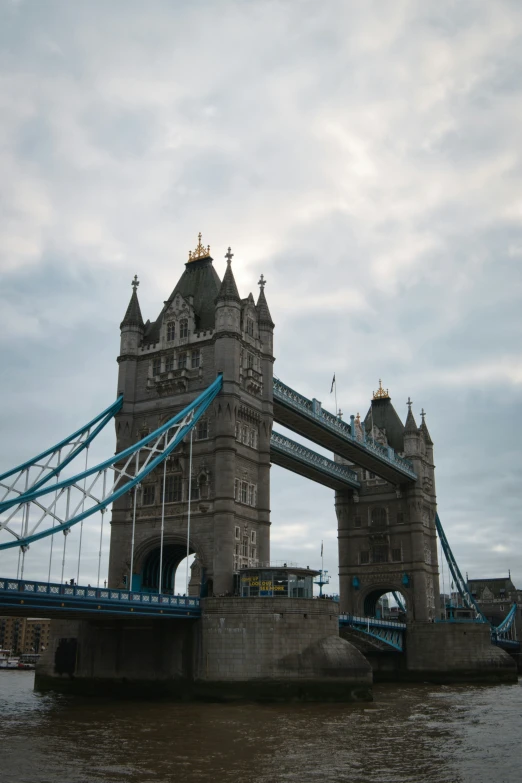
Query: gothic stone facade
[(204, 329), (387, 534)]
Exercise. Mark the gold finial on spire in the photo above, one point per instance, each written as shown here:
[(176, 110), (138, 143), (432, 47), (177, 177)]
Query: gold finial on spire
[(358, 418), (381, 394), (199, 252)]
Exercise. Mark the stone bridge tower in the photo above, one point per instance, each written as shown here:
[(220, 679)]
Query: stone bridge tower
[(387, 533), (203, 329)]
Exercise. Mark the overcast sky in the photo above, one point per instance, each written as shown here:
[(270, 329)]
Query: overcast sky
[(364, 156)]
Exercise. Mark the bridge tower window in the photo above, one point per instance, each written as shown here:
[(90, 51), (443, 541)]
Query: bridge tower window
[(156, 366), (183, 328), (396, 555), (171, 331), (169, 363), (364, 557), (380, 554), (195, 359), (202, 430), (250, 327), (194, 489), (379, 517), (149, 492), (174, 489), (182, 361)]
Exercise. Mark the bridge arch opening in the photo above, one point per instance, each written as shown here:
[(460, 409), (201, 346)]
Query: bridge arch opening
[(385, 603), (146, 571)]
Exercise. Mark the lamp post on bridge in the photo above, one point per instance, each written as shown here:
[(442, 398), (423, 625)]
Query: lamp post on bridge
[(324, 579)]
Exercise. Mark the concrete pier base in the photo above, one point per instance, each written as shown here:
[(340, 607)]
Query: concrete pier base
[(456, 652), (278, 649), (249, 648)]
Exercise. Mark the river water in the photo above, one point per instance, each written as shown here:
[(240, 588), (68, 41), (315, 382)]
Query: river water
[(417, 734)]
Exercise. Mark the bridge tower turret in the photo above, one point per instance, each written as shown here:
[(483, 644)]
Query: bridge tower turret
[(203, 329), (387, 533)]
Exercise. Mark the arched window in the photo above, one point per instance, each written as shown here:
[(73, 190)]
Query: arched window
[(183, 328), (379, 517), (171, 331)]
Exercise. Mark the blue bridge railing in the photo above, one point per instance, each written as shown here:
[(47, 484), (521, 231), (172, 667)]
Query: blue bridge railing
[(387, 631), (313, 410), (41, 596)]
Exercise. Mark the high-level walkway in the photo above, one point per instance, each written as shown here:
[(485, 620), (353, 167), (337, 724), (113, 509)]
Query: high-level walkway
[(295, 457), (307, 418)]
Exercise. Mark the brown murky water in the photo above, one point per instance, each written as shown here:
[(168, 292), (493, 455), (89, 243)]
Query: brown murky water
[(417, 734)]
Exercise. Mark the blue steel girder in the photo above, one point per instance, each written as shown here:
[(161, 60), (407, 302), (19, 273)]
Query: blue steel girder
[(386, 631), (48, 599), (38, 514), (295, 457), (308, 419)]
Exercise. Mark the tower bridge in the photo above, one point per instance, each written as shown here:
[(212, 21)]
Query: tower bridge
[(196, 402)]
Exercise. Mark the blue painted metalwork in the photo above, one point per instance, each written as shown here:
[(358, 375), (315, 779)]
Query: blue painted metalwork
[(190, 415), (503, 634), (280, 443), (66, 599), (101, 420), (458, 579), (387, 631), (399, 601), (313, 410)]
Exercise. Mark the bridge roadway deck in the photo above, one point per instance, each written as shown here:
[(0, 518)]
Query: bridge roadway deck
[(29, 598), (308, 419), (295, 457)]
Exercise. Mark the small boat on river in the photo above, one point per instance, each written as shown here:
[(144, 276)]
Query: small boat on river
[(7, 661)]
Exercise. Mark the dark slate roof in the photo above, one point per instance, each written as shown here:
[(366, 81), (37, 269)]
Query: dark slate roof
[(494, 585), (263, 311), (228, 289), (133, 314), (385, 417), (201, 281)]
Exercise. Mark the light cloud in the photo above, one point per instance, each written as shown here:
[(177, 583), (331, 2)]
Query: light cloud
[(364, 156)]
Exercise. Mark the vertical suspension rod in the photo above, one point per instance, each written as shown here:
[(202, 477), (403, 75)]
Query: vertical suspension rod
[(103, 510), (188, 516), (131, 571), (162, 518), (81, 523), (66, 531)]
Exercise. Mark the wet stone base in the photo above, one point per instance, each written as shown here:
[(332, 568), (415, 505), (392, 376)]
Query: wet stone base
[(182, 690)]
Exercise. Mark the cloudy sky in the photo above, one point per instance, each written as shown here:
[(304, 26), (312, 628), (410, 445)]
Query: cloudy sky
[(364, 156)]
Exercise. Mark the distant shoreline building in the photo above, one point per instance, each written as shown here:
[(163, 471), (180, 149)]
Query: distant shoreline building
[(24, 634)]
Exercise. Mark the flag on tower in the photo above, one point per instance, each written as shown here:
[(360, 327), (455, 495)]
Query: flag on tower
[(333, 384)]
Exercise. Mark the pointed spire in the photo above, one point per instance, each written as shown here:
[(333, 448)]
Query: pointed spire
[(262, 306), (411, 425), (133, 314), (228, 288), (424, 429)]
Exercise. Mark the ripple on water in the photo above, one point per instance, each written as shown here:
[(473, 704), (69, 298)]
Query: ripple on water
[(411, 734)]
